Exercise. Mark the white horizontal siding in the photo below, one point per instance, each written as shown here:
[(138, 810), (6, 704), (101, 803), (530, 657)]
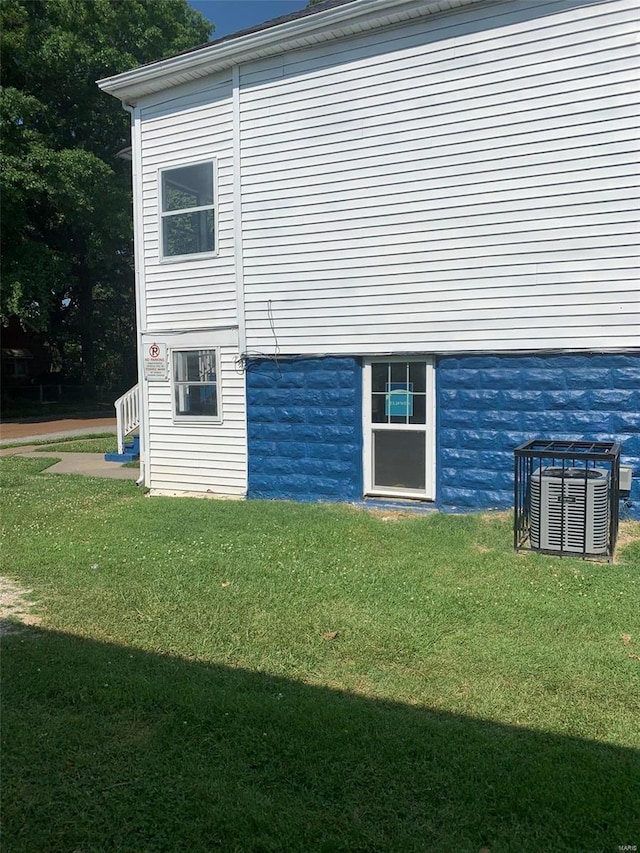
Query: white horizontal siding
[(199, 456), (464, 183), (426, 338), (504, 219), (565, 59), (192, 126), (389, 190), (581, 91)]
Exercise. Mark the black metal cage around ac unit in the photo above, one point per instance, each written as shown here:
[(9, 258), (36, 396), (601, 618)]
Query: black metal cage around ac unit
[(566, 497)]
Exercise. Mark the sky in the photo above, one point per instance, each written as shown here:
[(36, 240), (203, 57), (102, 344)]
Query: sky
[(229, 16)]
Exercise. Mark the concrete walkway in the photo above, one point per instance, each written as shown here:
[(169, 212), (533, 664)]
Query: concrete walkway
[(89, 464)]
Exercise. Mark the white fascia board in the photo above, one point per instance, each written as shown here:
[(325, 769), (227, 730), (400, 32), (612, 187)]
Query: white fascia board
[(132, 85)]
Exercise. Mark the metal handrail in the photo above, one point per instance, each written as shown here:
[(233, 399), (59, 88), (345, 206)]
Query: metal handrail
[(127, 414)]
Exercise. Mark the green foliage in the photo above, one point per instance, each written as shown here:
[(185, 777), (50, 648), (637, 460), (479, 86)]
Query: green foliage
[(66, 196)]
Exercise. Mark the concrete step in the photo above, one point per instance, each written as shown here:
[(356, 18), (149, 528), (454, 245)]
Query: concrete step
[(127, 456), (131, 452)]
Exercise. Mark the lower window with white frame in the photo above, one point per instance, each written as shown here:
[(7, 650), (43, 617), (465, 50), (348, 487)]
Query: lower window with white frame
[(399, 426), (196, 389)]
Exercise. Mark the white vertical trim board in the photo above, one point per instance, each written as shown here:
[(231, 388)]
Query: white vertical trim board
[(140, 289), (237, 209), (237, 235)]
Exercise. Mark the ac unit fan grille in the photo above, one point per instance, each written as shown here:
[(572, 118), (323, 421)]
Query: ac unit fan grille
[(570, 513)]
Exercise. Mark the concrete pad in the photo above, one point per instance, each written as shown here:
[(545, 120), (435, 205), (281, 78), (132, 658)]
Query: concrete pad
[(397, 506), (89, 464)]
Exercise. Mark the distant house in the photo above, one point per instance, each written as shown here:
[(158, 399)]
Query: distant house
[(380, 243), (24, 357)]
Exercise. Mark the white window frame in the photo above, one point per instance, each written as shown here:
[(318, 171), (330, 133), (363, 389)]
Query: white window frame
[(429, 429), (194, 419), (162, 215)]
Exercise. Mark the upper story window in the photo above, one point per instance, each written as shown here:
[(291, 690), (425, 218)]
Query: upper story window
[(188, 210)]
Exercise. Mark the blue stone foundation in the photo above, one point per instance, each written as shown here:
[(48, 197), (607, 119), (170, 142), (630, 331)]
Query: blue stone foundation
[(304, 419), (488, 405), (305, 422)]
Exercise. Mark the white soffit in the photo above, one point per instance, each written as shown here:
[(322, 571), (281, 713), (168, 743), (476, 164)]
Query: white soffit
[(352, 18)]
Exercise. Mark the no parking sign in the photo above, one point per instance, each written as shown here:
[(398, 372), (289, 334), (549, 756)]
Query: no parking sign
[(156, 365)]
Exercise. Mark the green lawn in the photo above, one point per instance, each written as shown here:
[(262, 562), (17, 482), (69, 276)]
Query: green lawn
[(104, 443), (187, 690)]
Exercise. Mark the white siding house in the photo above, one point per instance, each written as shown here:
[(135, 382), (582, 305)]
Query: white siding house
[(437, 200)]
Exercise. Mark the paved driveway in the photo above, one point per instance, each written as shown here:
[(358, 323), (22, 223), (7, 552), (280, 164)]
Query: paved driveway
[(39, 430)]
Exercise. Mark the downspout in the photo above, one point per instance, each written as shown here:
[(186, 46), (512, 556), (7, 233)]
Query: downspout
[(138, 256)]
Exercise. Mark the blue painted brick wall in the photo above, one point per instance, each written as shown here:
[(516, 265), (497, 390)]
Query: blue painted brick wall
[(304, 420), (488, 405), (305, 429)]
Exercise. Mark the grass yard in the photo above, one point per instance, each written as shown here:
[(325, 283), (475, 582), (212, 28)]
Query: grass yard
[(103, 443), (264, 676)]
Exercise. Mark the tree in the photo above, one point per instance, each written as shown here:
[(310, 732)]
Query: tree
[(65, 194)]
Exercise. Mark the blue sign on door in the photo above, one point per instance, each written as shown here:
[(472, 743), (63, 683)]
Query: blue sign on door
[(399, 399)]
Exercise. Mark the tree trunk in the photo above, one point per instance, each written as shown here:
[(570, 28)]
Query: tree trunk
[(85, 305)]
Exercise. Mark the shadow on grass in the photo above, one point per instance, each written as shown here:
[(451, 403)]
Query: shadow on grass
[(110, 748)]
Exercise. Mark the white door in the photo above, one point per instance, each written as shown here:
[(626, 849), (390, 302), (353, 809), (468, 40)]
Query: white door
[(399, 427)]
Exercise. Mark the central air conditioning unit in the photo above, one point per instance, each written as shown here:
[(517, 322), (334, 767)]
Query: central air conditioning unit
[(570, 509)]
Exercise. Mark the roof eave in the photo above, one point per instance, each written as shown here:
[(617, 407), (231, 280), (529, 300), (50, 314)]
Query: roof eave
[(131, 86)]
